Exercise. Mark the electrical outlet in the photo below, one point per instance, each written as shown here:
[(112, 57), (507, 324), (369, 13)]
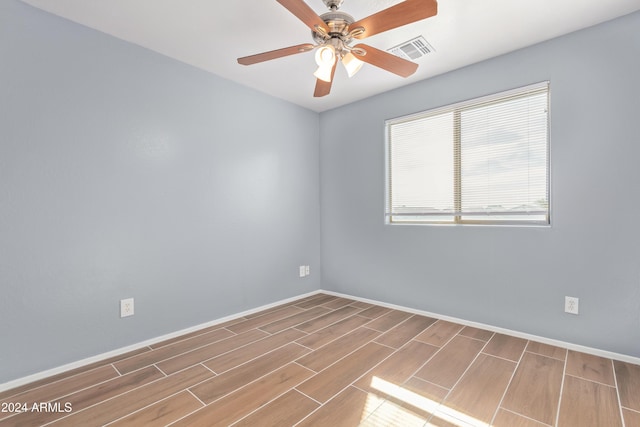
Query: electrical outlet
[(307, 270), (571, 305), (126, 307)]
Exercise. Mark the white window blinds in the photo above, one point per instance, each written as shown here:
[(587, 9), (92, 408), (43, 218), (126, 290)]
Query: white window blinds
[(479, 161)]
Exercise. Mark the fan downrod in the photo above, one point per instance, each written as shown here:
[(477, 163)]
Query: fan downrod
[(333, 4)]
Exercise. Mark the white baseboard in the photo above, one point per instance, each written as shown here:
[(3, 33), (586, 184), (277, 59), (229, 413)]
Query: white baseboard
[(557, 343), (74, 365), (80, 363)]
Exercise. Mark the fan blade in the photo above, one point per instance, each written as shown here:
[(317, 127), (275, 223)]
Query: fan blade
[(385, 60), (274, 54), (304, 13), (396, 16), (323, 88)]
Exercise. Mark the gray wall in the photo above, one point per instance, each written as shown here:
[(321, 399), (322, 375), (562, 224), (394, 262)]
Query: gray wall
[(507, 277), (126, 174)]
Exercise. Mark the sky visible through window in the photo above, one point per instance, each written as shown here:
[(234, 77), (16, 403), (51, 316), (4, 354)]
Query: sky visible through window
[(502, 169), (504, 161)]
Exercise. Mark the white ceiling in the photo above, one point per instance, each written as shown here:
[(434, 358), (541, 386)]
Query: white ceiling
[(211, 34)]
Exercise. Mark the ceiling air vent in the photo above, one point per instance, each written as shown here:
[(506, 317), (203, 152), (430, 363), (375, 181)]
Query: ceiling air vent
[(412, 49)]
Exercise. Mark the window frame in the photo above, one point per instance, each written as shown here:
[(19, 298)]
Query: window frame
[(456, 109)]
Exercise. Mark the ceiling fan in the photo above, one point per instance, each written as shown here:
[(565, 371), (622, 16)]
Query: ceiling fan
[(334, 32)]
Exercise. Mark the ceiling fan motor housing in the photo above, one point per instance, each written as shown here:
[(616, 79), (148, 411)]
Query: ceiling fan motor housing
[(338, 23)]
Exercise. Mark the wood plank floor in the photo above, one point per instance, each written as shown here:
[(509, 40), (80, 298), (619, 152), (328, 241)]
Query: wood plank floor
[(330, 361)]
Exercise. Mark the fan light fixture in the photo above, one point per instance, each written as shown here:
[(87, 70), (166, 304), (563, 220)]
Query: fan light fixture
[(325, 58), (351, 64)]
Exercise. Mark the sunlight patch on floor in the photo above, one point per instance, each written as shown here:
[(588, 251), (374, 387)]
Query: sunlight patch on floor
[(372, 403), (392, 414)]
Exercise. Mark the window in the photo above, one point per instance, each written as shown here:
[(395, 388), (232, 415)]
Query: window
[(483, 161)]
